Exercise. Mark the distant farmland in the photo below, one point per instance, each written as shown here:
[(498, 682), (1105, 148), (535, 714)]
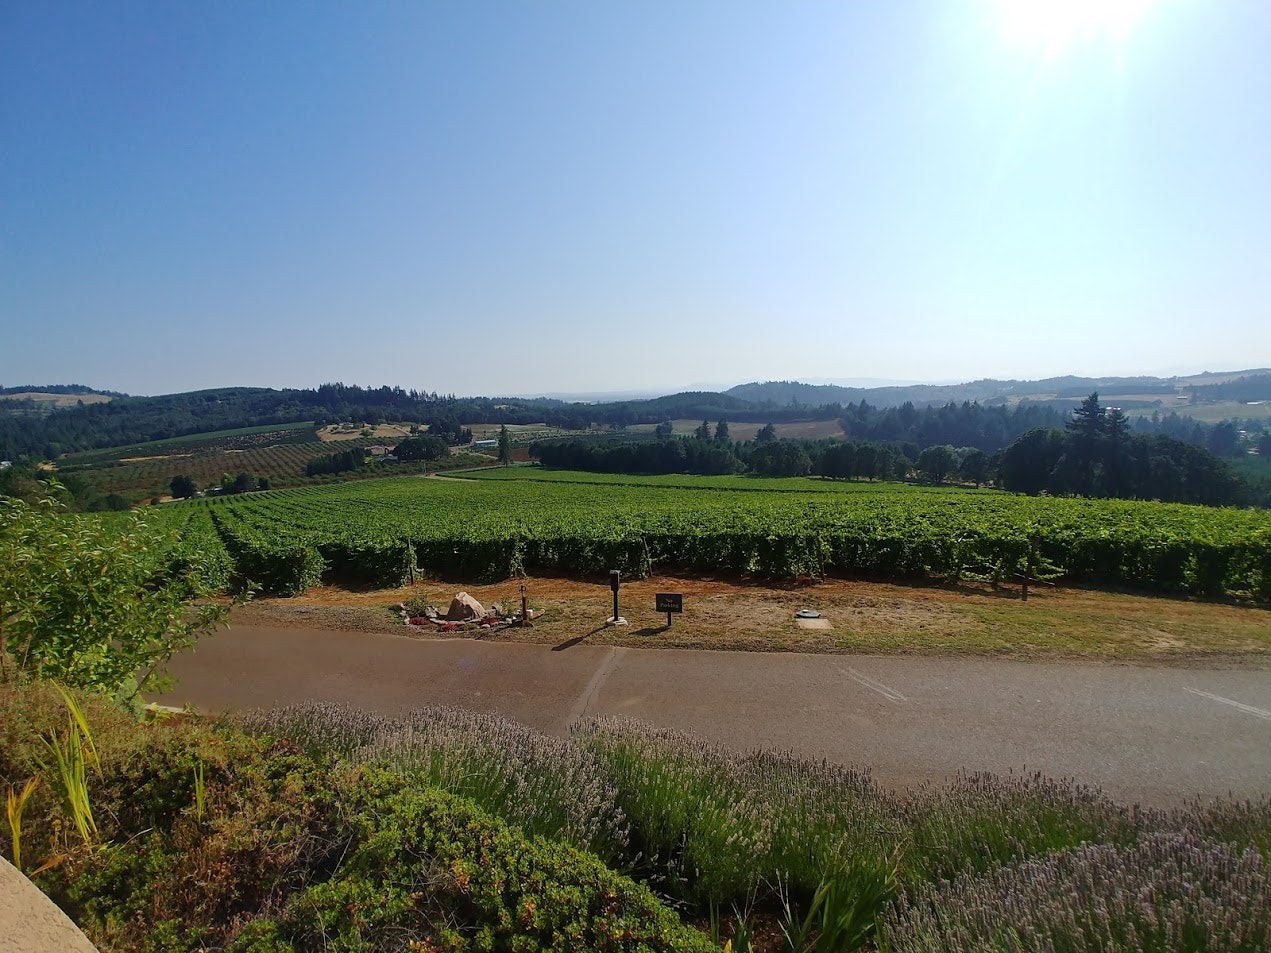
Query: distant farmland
[(140, 471), (56, 401), (278, 452)]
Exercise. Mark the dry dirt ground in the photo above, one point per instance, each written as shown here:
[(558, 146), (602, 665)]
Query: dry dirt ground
[(380, 432), (863, 617), (159, 456), (58, 400)]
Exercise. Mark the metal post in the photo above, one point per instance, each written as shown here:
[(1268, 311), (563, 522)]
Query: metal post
[(615, 579)]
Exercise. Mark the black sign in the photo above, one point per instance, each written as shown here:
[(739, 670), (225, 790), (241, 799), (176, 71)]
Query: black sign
[(668, 602)]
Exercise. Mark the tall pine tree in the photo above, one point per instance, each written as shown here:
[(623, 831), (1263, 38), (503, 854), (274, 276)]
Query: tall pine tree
[(1082, 465)]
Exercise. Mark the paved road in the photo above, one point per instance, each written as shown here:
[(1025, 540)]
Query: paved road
[(1150, 734)]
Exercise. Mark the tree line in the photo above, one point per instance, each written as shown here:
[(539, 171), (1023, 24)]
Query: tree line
[(1097, 455), (182, 486), (1094, 454), (131, 420), (775, 457), (670, 455), (340, 462)]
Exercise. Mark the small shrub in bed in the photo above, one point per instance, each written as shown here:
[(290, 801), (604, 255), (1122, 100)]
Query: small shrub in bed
[(168, 870), (824, 818), (271, 822), (320, 729), (1170, 893)]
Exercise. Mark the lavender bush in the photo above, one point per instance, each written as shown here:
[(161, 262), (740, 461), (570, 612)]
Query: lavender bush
[(1169, 893), (823, 817), (976, 821), (984, 862), (319, 728), (694, 832), (1230, 821), (722, 827), (540, 783)]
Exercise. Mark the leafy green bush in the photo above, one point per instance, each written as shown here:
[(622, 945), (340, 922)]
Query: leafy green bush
[(92, 604)]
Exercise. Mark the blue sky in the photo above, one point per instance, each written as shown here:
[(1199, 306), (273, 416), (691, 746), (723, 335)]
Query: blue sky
[(504, 198)]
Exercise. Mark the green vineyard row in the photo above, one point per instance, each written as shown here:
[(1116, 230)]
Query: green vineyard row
[(384, 532)]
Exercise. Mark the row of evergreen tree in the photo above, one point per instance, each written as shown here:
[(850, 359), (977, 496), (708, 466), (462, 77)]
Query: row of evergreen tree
[(840, 460), (1097, 455), (1093, 455), (671, 455)]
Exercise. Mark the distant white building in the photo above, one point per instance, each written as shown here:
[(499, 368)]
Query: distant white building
[(484, 444), (5, 464)]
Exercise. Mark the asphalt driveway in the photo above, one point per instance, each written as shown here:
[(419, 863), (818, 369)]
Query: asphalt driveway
[(1152, 734)]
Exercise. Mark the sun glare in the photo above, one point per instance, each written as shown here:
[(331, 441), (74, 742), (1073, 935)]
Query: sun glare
[(1055, 26)]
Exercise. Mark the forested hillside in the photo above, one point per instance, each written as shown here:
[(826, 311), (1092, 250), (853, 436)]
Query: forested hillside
[(126, 420), (31, 431)]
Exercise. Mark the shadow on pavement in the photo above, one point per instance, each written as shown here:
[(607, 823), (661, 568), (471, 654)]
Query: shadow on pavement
[(569, 644)]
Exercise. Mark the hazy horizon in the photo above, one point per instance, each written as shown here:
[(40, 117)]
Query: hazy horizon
[(487, 198), (643, 394)]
